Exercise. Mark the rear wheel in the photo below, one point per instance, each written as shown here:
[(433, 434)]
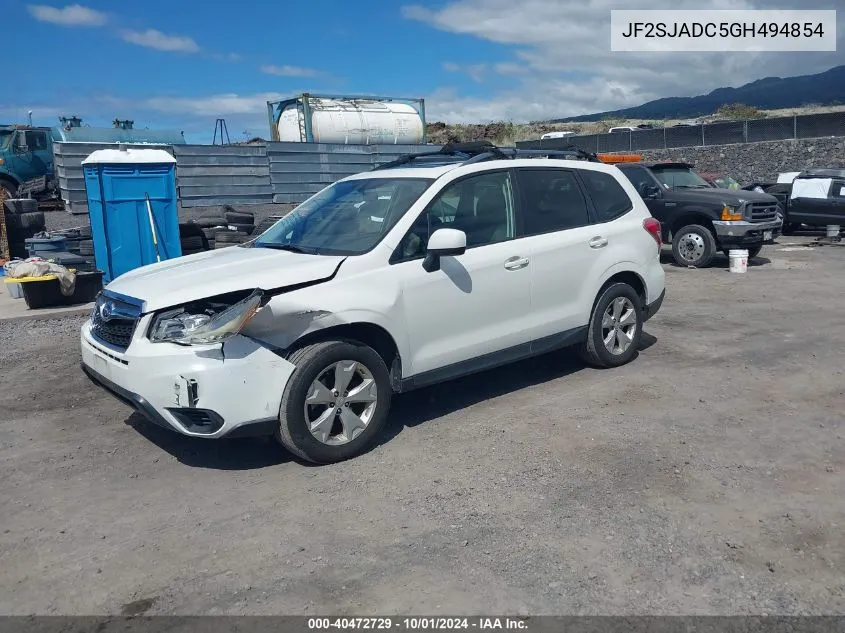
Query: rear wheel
[(335, 403), (613, 335), (693, 245)]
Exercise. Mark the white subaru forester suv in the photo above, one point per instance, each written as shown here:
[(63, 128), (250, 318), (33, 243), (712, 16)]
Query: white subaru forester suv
[(426, 269)]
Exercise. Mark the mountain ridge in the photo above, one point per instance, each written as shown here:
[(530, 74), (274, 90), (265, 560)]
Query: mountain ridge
[(768, 93)]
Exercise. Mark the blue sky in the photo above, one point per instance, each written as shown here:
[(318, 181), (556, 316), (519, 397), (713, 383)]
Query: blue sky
[(182, 63)]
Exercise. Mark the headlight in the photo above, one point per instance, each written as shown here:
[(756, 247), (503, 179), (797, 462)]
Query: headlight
[(205, 322), (731, 214)]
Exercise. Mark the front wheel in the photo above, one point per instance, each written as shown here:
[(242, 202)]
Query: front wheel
[(693, 245), (8, 189), (616, 325), (335, 403)]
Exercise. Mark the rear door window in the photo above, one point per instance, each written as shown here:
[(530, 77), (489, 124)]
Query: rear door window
[(609, 198), (552, 200)]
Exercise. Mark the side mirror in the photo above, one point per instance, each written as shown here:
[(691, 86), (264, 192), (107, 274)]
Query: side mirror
[(649, 192), (443, 243)]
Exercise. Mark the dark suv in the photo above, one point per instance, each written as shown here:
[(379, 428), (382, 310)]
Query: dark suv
[(701, 219)]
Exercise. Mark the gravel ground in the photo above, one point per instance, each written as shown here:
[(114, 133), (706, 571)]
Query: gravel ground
[(705, 477)]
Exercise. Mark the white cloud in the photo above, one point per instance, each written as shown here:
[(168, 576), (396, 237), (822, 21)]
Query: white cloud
[(151, 38), (219, 105), (71, 15), (562, 64), (289, 71), (473, 71)]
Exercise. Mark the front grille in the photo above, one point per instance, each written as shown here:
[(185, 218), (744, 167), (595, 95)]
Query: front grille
[(763, 211), (116, 324)]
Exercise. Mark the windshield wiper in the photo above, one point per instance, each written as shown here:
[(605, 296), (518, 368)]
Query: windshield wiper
[(293, 248)]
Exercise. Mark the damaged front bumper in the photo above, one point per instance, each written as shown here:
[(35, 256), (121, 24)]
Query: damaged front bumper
[(746, 233), (229, 389)]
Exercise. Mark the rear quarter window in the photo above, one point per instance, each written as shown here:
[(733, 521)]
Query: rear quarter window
[(609, 198)]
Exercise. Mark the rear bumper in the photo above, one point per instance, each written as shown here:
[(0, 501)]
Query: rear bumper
[(745, 233)]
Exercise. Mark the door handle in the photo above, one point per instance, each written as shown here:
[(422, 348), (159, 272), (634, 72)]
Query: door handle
[(516, 262), (598, 242)]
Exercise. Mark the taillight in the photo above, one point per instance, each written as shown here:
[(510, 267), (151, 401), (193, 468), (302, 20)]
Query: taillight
[(653, 227)]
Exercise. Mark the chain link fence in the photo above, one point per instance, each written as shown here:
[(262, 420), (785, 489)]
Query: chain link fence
[(723, 133)]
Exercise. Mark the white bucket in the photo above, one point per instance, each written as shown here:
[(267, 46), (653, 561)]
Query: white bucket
[(739, 260), (15, 290), (833, 230)]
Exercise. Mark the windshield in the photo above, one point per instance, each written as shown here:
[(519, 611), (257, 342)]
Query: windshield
[(346, 218), (6, 139), (726, 182), (680, 178)]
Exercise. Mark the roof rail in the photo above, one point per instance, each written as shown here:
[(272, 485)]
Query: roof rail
[(482, 151)]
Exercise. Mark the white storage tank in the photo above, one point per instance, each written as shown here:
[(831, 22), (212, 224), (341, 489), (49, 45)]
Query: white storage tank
[(350, 122)]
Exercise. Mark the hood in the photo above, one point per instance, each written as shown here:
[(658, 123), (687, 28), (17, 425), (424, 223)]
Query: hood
[(733, 197), (177, 281)]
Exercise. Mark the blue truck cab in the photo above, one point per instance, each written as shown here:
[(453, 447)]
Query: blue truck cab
[(26, 153)]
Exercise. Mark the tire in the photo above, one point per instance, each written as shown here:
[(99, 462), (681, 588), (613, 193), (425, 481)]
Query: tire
[(86, 248), (240, 217), (230, 237), (594, 351), (21, 205), (193, 243), (789, 228), (85, 232), (26, 221), (208, 223), (693, 245), (9, 188), (265, 224), (18, 249), (246, 229), (317, 361), (17, 234), (754, 251), (210, 233)]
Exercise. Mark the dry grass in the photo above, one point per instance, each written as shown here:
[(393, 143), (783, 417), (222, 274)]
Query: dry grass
[(506, 133)]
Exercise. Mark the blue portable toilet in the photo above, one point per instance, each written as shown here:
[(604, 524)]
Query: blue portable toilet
[(118, 183)]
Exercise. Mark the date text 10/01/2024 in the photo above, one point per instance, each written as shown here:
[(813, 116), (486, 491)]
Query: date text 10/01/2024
[(417, 623)]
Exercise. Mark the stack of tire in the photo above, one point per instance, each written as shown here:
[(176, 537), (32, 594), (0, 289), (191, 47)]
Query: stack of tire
[(192, 238), (23, 221), (235, 228), (238, 227), (265, 224)]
